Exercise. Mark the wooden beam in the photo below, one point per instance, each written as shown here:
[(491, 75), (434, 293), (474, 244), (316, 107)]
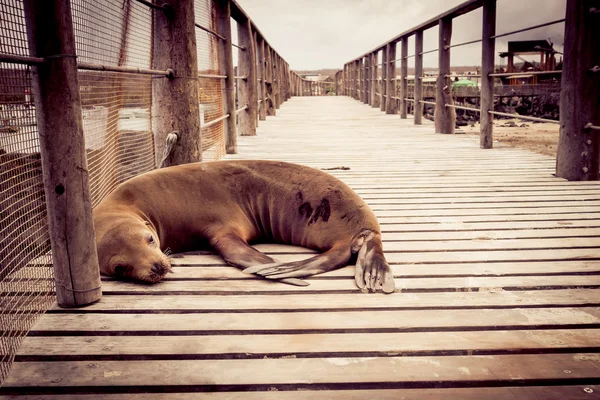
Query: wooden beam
[(226, 53), (365, 79), (403, 77), (168, 95), (270, 86), (262, 73), (374, 96), (257, 80), (579, 147), (445, 117), (64, 164), (277, 80), (384, 80), (247, 87), (418, 113), (488, 53), (391, 105)]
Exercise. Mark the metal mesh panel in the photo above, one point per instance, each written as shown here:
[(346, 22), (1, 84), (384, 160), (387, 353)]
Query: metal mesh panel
[(210, 89), (116, 106), (26, 276)]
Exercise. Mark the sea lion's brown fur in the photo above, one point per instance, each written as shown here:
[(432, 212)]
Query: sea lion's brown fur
[(229, 204)]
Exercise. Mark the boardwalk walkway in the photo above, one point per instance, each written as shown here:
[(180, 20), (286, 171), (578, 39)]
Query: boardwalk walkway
[(498, 275)]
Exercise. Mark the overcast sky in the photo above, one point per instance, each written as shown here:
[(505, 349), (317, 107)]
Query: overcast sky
[(315, 34)]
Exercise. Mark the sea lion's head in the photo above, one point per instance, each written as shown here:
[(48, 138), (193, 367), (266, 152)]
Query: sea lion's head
[(129, 248)]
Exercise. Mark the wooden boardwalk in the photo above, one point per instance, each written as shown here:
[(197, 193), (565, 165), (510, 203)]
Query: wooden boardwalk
[(497, 265)]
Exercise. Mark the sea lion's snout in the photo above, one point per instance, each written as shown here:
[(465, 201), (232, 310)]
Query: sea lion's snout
[(159, 269)]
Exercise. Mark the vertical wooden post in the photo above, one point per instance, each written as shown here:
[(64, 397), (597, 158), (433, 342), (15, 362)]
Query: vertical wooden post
[(365, 63), (374, 96), (403, 76), (579, 143), (418, 116), (487, 67), (445, 117), (224, 29), (262, 109), (270, 93), (356, 85), (384, 68), (62, 147), (277, 80), (257, 81), (246, 87), (391, 105), (175, 101)]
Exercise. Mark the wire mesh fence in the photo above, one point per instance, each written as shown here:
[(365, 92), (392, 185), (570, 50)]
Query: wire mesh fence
[(210, 90), (116, 106), (118, 130), (26, 279)]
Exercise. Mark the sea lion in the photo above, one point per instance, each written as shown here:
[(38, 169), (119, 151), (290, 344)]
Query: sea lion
[(229, 204)]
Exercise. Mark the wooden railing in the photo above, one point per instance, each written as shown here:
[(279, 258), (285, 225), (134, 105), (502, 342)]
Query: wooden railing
[(578, 151)]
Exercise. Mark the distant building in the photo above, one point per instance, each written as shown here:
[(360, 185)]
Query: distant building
[(516, 49)]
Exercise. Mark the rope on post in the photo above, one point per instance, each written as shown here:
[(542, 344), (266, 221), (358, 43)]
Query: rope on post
[(170, 142)]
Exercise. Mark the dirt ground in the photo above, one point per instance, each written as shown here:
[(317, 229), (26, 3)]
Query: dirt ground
[(539, 137)]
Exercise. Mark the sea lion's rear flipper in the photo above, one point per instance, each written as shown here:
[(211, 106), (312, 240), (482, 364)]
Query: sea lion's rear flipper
[(336, 257), (235, 251)]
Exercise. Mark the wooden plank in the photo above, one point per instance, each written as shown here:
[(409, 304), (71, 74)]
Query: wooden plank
[(574, 267), (354, 301), (370, 344), (581, 392), (342, 285), (446, 256), (399, 371), (346, 321)]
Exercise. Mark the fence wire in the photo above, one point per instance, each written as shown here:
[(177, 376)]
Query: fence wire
[(210, 90), (117, 121), (26, 276)]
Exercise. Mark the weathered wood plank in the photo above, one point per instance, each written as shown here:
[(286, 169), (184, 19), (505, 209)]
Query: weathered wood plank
[(357, 301), (301, 371), (581, 392), (371, 344)]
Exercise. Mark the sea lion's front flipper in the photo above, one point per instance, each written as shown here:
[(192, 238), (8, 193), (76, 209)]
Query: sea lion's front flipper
[(235, 251), (334, 258)]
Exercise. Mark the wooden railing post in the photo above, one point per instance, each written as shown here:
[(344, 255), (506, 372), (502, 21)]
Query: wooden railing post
[(64, 164), (365, 62), (445, 117), (374, 97), (391, 105), (247, 86), (224, 29), (257, 80), (579, 143), (384, 67), (168, 95), (403, 77), (270, 84), (488, 45), (277, 79), (352, 79), (357, 79), (418, 113), (262, 108)]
